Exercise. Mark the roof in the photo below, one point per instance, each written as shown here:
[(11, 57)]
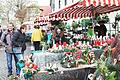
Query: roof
[(46, 10)]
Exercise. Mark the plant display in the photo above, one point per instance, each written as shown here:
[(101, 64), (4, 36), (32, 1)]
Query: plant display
[(87, 57), (103, 71), (69, 59), (71, 56)]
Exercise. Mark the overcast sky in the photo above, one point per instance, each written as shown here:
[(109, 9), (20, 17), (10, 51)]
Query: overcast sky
[(43, 2)]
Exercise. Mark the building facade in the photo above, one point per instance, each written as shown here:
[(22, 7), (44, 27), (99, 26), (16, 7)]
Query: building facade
[(58, 4)]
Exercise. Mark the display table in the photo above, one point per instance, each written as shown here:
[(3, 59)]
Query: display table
[(67, 74), (41, 58)]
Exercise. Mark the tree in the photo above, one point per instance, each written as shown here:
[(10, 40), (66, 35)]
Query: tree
[(14, 9)]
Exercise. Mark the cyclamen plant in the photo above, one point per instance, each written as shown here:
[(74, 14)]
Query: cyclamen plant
[(69, 59)]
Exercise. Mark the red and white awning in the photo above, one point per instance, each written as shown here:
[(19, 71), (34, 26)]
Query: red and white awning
[(101, 2), (83, 9), (42, 20), (70, 12)]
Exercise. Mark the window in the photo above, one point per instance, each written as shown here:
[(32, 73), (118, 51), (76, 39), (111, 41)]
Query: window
[(53, 7), (72, 1), (50, 2), (59, 3), (65, 2)]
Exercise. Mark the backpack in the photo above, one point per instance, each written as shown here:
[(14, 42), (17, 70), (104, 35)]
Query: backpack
[(4, 39)]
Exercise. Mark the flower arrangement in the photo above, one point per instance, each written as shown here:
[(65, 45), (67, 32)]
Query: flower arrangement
[(29, 70), (69, 59)]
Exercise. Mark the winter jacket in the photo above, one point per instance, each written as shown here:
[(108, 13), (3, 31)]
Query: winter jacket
[(19, 40), (36, 35), (8, 45)]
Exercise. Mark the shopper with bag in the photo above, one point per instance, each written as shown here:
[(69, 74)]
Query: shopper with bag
[(18, 43), (6, 38)]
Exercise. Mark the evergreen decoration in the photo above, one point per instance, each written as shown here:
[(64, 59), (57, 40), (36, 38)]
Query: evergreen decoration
[(86, 22), (58, 24), (104, 18)]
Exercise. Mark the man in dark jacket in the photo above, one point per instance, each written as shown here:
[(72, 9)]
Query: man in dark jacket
[(18, 43)]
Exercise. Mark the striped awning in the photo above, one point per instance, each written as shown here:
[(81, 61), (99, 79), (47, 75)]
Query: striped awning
[(67, 12), (84, 8), (101, 2), (42, 20)]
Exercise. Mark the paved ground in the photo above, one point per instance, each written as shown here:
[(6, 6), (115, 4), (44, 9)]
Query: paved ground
[(3, 66)]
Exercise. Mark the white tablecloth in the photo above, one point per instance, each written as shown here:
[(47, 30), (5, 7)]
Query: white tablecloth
[(42, 58)]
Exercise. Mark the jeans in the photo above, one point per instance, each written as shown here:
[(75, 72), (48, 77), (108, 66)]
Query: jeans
[(17, 57)]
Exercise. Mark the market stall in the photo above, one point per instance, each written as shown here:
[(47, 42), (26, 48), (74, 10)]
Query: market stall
[(81, 55)]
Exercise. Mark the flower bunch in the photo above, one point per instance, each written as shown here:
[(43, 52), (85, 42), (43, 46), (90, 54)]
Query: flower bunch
[(30, 69), (68, 60), (71, 56)]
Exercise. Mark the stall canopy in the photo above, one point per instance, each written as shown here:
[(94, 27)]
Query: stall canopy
[(42, 20), (85, 8)]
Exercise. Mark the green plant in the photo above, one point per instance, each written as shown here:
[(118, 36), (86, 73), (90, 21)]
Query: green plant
[(86, 22), (103, 67), (104, 18)]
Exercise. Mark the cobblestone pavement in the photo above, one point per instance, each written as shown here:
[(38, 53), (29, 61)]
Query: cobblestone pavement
[(3, 65)]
